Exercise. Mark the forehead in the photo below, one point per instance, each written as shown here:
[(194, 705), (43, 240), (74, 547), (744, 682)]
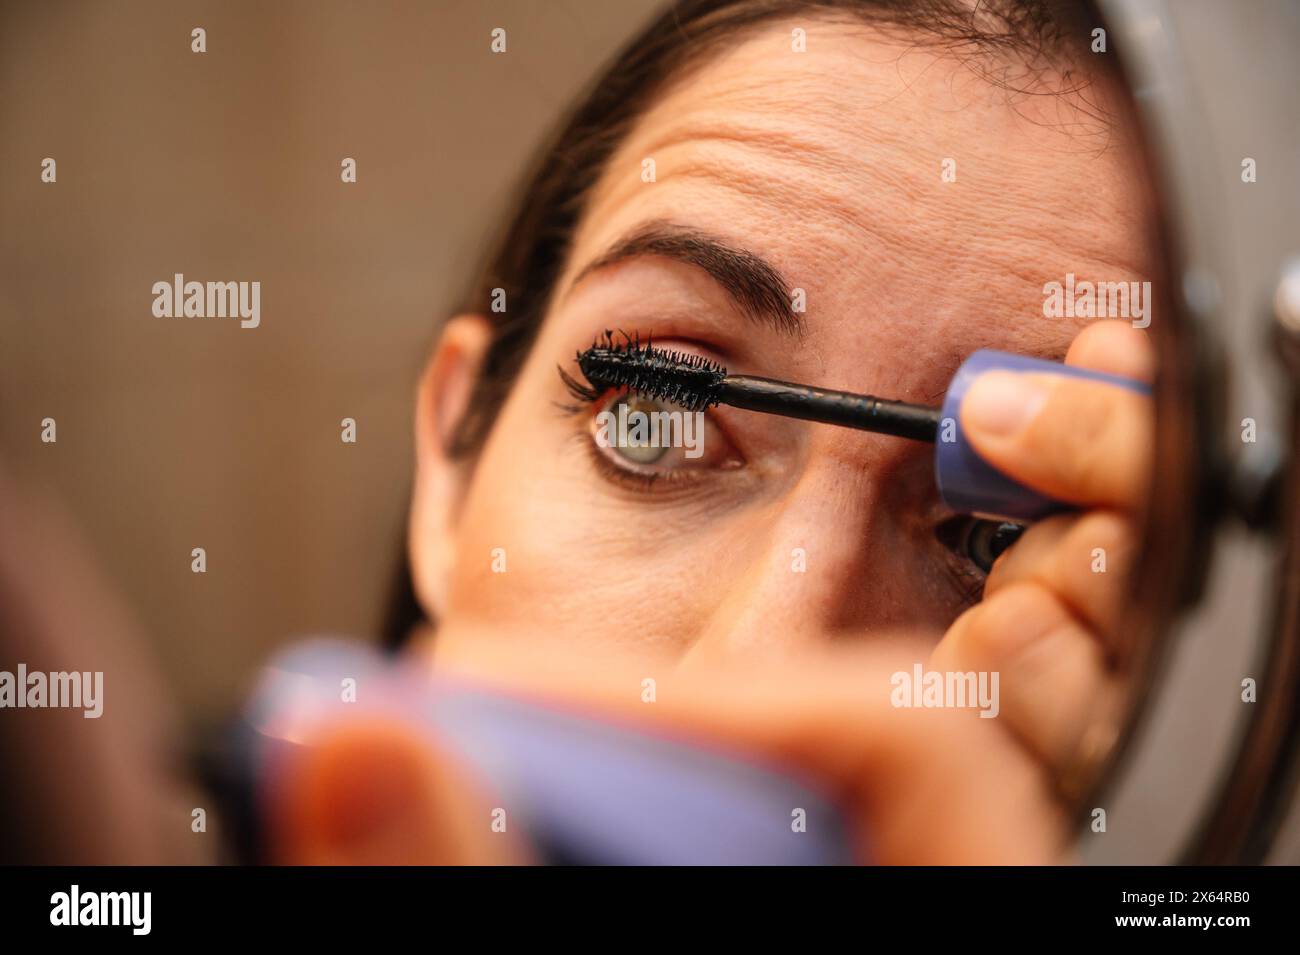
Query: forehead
[(830, 164)]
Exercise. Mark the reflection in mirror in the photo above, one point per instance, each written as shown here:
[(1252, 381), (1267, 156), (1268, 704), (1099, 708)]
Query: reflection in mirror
[(810, 472), (901, 291)]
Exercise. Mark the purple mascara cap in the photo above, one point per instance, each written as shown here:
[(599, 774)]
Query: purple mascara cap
[(970, 485)]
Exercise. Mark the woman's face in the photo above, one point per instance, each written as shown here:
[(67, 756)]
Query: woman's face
[(827, 166)]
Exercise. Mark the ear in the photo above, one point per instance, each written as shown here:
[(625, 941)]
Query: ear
[(441, 401)]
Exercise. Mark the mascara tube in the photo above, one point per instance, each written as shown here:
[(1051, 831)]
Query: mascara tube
[(970, 485)]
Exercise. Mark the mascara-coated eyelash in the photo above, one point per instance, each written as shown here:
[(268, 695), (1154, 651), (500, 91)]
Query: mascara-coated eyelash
[(585, 393), (679, 377)]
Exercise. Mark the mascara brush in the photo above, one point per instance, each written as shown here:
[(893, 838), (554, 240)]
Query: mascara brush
[(967, 483), (696, 383)]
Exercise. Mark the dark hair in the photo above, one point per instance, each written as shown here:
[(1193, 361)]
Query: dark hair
[(1037, 36)]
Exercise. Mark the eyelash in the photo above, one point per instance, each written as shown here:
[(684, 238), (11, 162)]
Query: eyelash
[(583, 394)]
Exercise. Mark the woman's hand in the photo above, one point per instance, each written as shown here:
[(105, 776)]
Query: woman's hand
[(1052, 621), (915, 786)]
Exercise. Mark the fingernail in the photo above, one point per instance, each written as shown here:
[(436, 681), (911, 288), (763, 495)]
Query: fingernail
[(1002, 402)]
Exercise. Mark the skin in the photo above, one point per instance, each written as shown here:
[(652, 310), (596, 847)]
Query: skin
[(827, 165)]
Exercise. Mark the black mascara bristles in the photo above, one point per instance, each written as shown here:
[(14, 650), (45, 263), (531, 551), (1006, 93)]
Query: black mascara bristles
[(696, 383), (679, 377)]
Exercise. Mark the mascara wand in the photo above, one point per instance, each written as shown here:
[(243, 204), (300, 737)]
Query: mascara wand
[(696, 383), (967, 483)]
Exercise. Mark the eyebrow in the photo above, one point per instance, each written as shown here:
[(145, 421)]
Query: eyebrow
[(757, 288)]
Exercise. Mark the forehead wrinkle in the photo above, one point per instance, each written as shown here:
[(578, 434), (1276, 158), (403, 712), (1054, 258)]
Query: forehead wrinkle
[(721, 137), (994, 239), (785, 168), (771, 139), (773, 168), (970, 252), (1014, 237), (784, 193)]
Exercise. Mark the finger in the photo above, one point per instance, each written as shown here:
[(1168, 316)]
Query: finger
[(830, 717), (896, 767), (1115, 347), (1083, 442), (1052, 682), (375, 792), (1084, 559)]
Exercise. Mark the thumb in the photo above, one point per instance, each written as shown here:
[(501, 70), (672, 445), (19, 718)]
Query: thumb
[(1085, 442)]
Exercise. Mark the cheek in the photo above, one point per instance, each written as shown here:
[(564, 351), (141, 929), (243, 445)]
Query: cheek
[(510, 532)]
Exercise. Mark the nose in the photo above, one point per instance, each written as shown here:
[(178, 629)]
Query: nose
[(830, 559)]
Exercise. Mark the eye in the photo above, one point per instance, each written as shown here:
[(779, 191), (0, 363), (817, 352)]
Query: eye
[(645, 437), (980, 541)]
